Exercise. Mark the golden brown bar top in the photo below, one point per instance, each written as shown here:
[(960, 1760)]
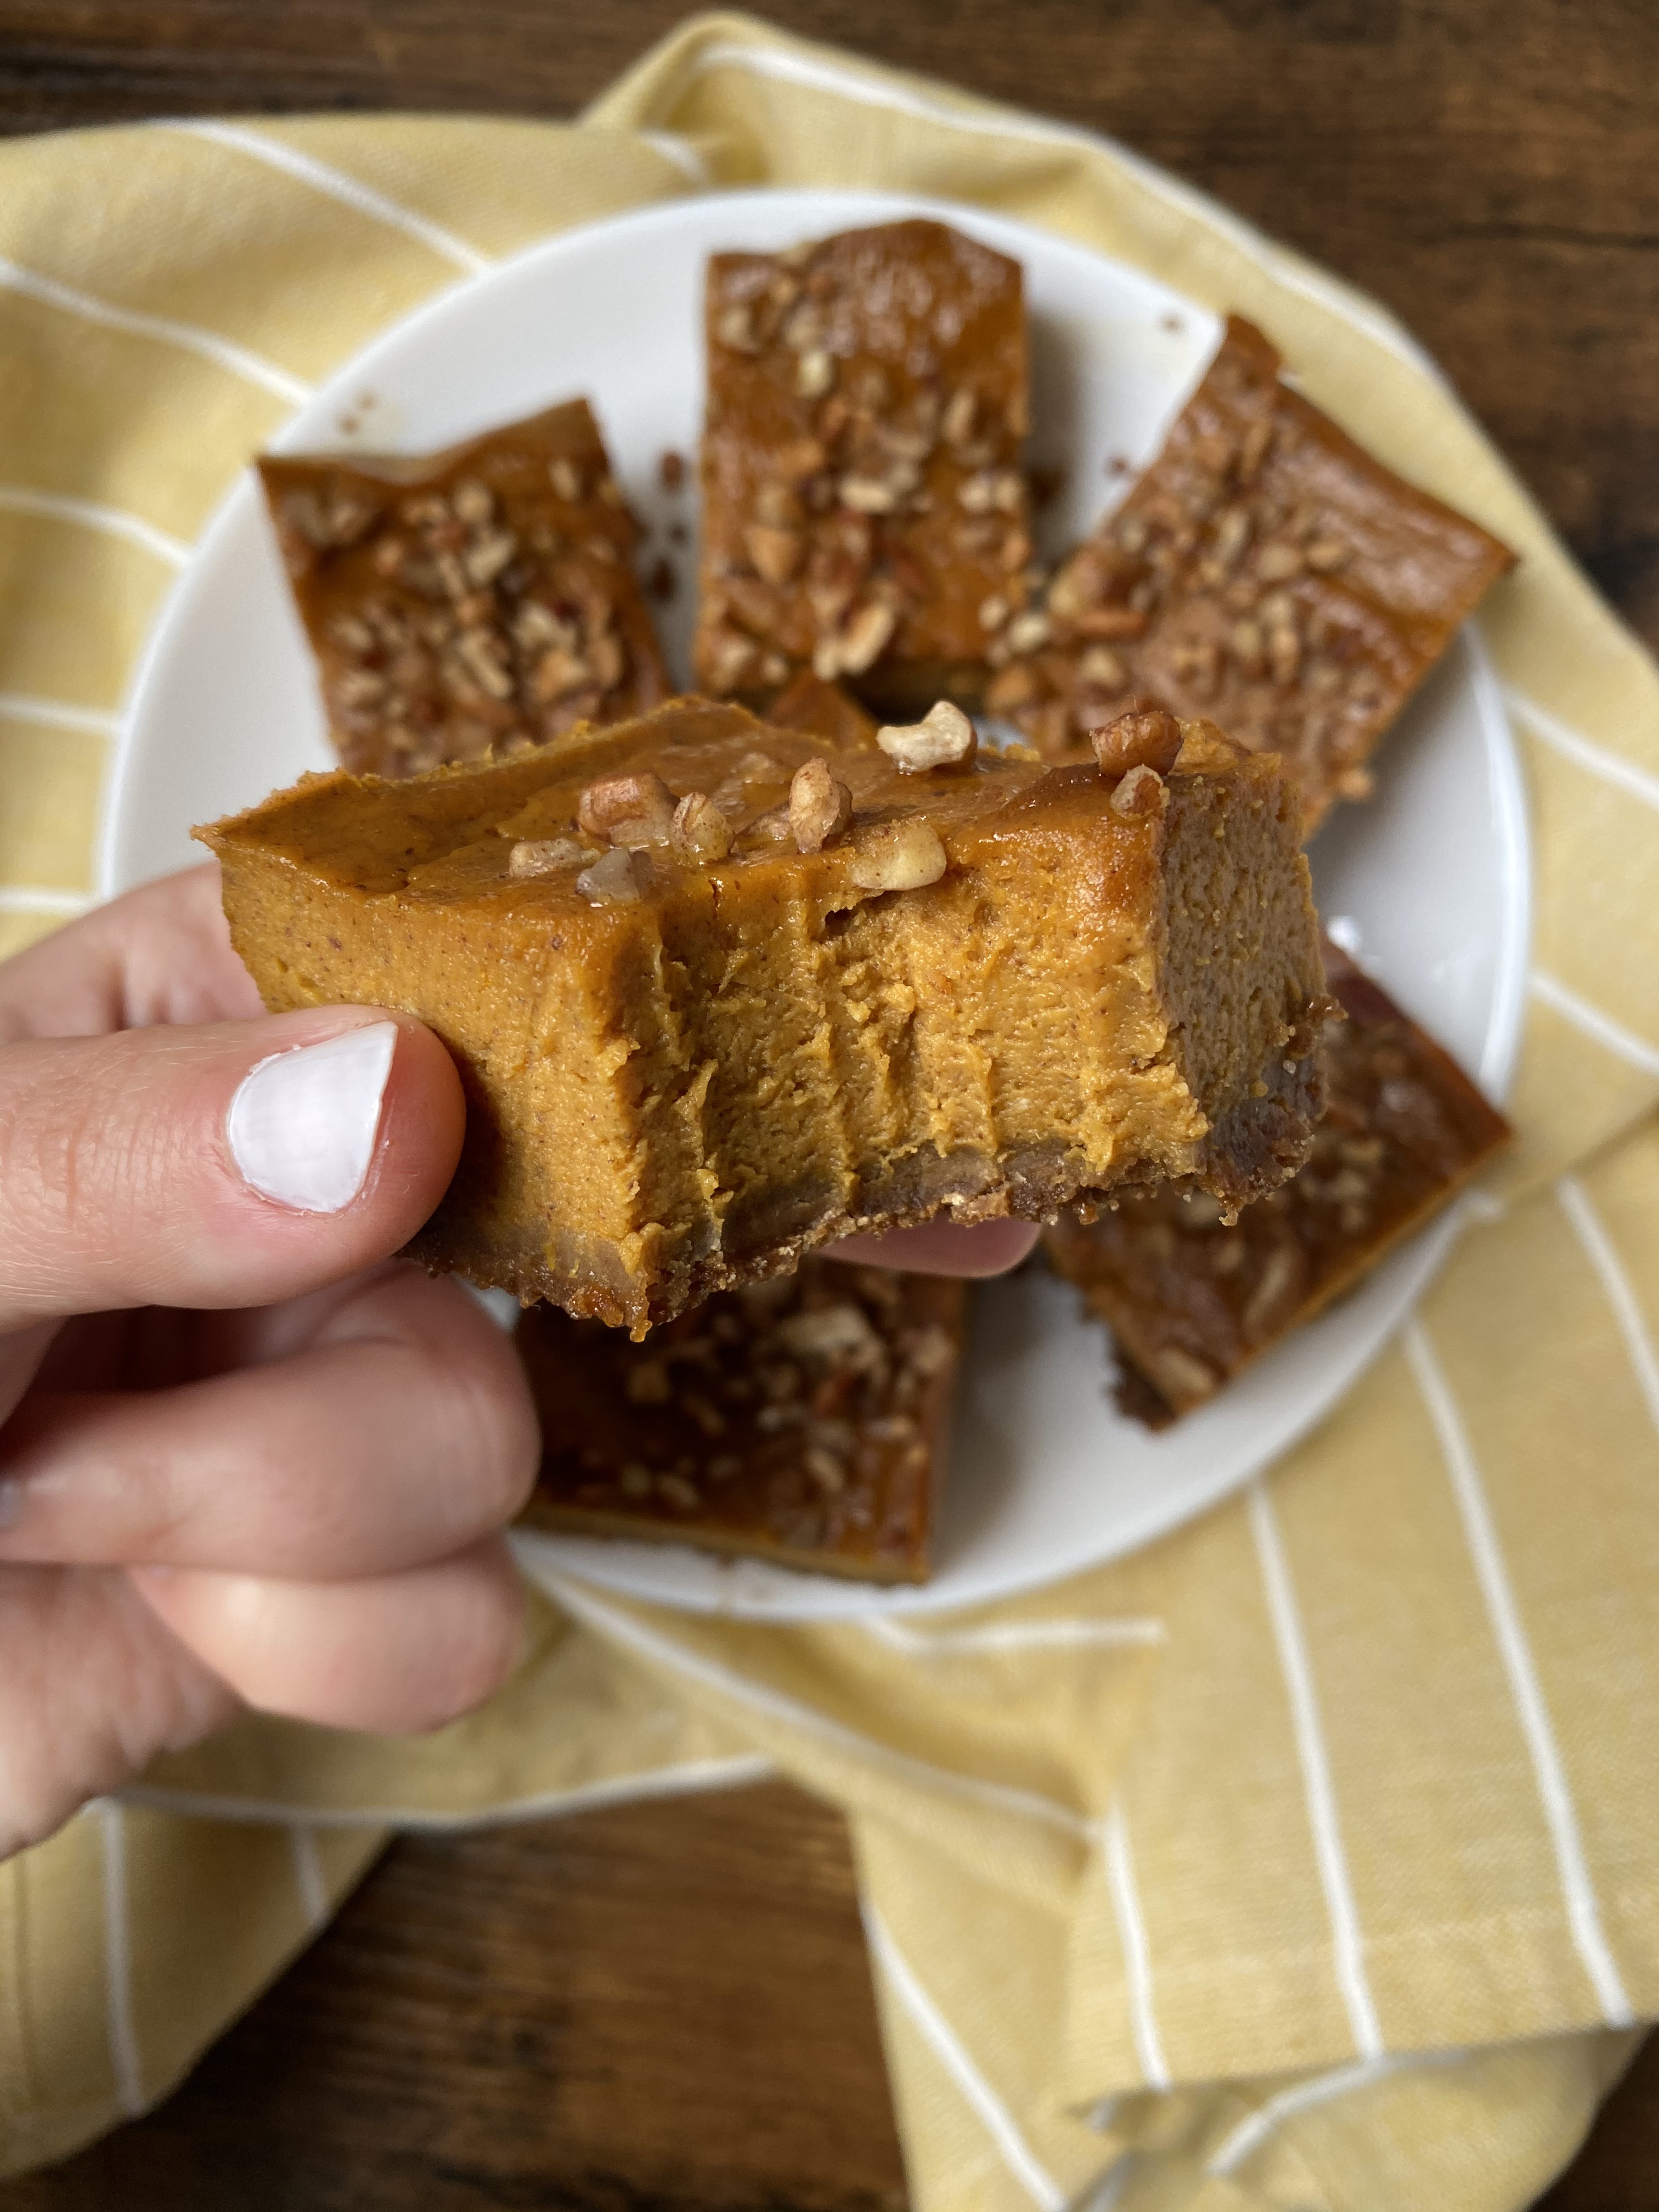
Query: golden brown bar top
[(865, 513), (476, 600), (1265, 570), (802, 1420)]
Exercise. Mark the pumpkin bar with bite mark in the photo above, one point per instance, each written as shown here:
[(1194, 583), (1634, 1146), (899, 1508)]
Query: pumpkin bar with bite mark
[(720, 992), (864, 510), (1265, 571), (1191, 1301), (482, 599), (803, 1421)]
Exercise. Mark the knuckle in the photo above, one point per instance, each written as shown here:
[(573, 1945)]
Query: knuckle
[(78, 1164), (487, 1421)]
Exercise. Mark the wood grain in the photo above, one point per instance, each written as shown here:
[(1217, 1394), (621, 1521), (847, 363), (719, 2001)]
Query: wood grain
[(1484, 166), (662, 2005), (668, 2006)]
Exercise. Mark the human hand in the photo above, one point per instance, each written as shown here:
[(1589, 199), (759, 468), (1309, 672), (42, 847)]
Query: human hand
[(943, 1247), (246, 1459)]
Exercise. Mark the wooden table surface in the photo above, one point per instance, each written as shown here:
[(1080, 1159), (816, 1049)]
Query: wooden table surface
[(669, 2004)]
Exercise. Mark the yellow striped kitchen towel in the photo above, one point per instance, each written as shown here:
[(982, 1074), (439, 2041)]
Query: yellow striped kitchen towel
[(1303, 1859)]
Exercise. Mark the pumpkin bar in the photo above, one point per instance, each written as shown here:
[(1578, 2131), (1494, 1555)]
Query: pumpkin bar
[(822, 710), (864, 511), (720, 992), (1191, 1301), (482, 599), (1265, 571), (801, 1420)]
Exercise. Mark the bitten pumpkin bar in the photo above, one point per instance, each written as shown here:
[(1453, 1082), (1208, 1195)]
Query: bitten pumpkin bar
[(476, 600), (864, 512), (1265, 571), (1191, 1301), (801, 1420), (720, 992)]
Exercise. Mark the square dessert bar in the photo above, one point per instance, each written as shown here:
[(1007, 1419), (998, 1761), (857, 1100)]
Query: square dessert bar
[(1265, 571), (1190, 1301), (822, 710), (802, 1420), (864, 511), (482, 599), (719, 991)]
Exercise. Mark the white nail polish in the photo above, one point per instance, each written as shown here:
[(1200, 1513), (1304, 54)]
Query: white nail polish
[(302, 1126)]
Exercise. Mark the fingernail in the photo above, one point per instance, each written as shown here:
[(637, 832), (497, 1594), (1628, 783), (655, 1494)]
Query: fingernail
[(302, 1126), (11, 1503)]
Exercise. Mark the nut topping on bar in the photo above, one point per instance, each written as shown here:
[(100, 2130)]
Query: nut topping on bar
[(1142, 791), (899, 856), (469, 602), (700, 831), (820, 806), (1144, 738), (802, 1420), (627, 810), (544, 856), (863, 505), (943, 737), (1264, 569), (611, 881)]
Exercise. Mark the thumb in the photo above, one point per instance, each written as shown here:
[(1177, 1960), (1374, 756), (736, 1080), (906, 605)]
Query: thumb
[(231, 1165)]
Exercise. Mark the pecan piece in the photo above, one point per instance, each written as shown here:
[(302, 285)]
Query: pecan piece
[(627, 810), (611, 881), (820, 806), (899, 856), (700, 831), (541, 856), (1144, 737), (860, 642), (776, 552), (944, 738), (1141, 792)]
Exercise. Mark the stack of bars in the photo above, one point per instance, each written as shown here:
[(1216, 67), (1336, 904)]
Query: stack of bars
[(731, 976)]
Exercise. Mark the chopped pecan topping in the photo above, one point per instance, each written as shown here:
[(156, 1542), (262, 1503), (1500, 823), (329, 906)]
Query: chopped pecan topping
[(545, 856), (612, 881), (944, 738), (627, 810), (776, 552), (820, 806), (1141, 792), (700, 831), (735, 327), (731, 657), (858, 645), (1144, 738), (899, 856)]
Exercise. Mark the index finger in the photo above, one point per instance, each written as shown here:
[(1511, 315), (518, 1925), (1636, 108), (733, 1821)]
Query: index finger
[(161, 953), (975, 1249)]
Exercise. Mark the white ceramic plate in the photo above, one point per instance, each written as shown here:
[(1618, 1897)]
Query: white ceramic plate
[(1429, 884)]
